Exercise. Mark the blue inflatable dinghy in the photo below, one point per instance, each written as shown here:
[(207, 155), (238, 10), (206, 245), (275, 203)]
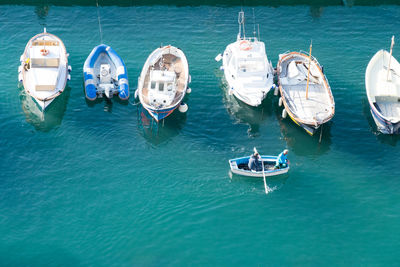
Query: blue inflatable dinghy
[(105, 73)]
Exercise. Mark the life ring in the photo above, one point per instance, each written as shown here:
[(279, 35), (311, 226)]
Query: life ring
[(44, 52), (245, 45)]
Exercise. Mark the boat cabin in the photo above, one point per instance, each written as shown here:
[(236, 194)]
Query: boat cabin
[(162, 87)]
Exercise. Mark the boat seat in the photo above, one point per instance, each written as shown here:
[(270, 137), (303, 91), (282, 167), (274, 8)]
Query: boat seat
[(178, 69), (45, 87), (45, 43), (388, 89)]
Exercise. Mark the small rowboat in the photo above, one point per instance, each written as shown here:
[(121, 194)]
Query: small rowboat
[(382, 82), (240, 166)]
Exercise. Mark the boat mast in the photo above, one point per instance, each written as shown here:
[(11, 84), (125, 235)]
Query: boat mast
[(309, 66), (390, 57), (241, 25)]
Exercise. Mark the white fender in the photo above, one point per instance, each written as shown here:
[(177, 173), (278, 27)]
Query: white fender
[(20, 77), (218, 57), (280, 102), (183, 107), (69, 68), (188, 90), (136, 93), (69, 77), (284, 113)]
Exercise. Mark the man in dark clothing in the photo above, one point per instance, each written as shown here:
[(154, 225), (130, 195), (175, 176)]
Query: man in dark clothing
[(255, 162)]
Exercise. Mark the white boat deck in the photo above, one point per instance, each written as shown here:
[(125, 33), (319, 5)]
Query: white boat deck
[(315, 107)]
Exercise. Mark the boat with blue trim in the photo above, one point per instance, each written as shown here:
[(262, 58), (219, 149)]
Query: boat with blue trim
[(240, 166), (104, 73), (382, 83), (163, 82)]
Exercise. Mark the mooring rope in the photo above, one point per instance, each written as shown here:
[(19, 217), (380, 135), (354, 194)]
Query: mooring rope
[(98, 18)]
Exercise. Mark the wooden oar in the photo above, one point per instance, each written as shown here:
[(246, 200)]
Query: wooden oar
[(309, 67), (265, 181)]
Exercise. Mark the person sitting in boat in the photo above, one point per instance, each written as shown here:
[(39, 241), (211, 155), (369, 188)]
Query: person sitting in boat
[(255, 162), (282, 160)]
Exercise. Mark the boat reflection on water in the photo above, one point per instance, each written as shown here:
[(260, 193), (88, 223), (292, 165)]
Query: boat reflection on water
[(42, 11), (108, 103), (159, 132), (301, 143), (52, 117), (245, 114)]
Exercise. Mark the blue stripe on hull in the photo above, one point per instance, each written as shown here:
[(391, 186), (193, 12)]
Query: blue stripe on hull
[(161, 114), (383, 125)]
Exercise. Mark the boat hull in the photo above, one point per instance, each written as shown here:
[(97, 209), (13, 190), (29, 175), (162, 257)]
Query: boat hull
[(237, 164), (383, 125), (159, 115), (55, 76), (165, 60), (248, 91), (383, 95)]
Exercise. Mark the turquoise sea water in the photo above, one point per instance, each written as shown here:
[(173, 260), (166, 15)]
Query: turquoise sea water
[(97, 185)]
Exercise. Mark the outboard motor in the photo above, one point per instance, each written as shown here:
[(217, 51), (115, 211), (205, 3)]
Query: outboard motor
[(105, 80)]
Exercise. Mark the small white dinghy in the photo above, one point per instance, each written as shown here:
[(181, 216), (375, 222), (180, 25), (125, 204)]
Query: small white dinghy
[(249, 74), (382, 83), (240, 166), (44, 68), (305, 91), (163, 82)]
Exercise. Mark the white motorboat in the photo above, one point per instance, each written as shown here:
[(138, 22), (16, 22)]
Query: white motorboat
[(163, 82), (305, 91), (44, 68), (249, 74), (382, 82)]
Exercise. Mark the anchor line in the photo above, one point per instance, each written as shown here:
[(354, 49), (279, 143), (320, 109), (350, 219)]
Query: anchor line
[(98, 18)]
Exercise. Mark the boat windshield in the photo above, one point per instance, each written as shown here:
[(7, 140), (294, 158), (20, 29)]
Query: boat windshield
[(45, 62), (251, 65)]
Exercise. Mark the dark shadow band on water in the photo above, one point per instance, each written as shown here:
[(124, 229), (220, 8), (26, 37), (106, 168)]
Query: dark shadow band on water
[(225, 3)]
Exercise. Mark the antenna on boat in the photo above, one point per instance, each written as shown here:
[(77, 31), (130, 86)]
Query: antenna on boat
[(241, 24), (254, 24), (390, 57), (98, 18), (309, 66)]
